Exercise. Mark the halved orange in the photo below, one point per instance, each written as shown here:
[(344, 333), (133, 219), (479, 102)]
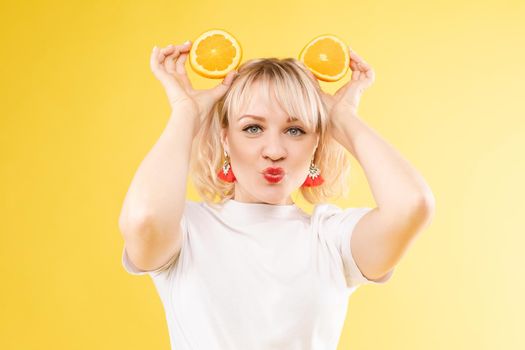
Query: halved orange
[(214, 53), (327, 57)]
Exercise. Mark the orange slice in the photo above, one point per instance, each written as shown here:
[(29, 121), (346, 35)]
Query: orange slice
[(214, 53), (327, 56)]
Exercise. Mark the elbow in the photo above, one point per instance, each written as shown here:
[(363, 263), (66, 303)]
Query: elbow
[(424, 207), (427, 202), (131, 225)]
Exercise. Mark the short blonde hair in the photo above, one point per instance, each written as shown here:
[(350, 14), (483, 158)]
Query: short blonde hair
[(298, 96)]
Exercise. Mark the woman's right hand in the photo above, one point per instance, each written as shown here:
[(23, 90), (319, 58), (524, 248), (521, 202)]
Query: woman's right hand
[(167, 64)]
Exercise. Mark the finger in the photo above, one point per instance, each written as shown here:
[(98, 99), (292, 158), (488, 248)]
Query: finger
[(353, 65), (369, 75), (361, 68), (230, 77), (171, 56), (166, 52), (364, 66), (154, 62), (355, 75), (172, 51), (168, 49), (341, 91), (185, 49), (219, 90), (180, 69), (360, 62), (179, 65), (354, 55)]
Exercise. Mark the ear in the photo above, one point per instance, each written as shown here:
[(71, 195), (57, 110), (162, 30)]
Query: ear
[(224, 140)]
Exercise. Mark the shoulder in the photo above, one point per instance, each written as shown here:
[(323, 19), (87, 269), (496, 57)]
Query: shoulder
[(201, 211), (329, 216), (325, 208), (328, 210), (192, 207)]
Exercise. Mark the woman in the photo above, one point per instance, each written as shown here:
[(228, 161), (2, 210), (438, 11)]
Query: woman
[(254, 271)]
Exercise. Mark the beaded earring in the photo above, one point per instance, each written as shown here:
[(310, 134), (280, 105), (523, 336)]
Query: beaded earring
[(226, 172), (314, 177)]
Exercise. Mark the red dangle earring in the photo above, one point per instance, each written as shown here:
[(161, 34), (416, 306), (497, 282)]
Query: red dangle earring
[(226, 172), (314, 177)]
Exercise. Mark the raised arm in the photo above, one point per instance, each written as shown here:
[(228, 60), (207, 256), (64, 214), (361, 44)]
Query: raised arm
[(153, 207), (405, 203), (150, 219)]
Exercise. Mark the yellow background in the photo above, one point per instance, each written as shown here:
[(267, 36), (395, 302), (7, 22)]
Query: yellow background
[(80, 109)]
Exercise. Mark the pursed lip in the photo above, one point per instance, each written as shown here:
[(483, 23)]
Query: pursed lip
[(273, 171)]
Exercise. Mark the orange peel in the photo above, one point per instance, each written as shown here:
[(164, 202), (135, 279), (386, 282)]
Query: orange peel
[(327, 57), (215, 53)]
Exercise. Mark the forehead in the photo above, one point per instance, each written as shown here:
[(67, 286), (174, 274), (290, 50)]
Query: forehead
[(277, 100), (261, 104), (263, 118)]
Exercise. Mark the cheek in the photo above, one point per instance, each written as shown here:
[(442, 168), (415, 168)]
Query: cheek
[(303, 168), (300, 164), (244, 159)]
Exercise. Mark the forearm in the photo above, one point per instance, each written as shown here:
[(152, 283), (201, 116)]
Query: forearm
[(157, 192), (395, 184)]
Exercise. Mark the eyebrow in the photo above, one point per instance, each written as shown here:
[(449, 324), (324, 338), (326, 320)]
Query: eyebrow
[(289, 120)]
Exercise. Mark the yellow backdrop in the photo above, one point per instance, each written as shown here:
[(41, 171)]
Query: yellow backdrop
[(80, 109)]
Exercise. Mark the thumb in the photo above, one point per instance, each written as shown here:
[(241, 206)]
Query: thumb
[(221, 89)]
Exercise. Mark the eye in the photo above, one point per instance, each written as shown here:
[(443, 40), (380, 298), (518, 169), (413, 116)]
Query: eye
[(250, 127), (301, 132)]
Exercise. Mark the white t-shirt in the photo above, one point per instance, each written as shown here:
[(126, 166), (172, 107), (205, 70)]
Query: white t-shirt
[(259, 276)]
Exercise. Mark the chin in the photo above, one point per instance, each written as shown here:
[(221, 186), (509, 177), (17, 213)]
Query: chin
[(274, 197)]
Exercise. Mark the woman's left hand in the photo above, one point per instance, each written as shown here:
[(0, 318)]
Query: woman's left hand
[(346, 100)]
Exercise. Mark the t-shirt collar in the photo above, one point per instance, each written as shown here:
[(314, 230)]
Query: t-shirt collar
[(252, 212)]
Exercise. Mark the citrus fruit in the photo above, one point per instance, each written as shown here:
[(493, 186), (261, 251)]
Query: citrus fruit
[(327, 57), (214, 53)]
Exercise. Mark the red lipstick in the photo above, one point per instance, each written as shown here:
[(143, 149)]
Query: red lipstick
[(273, 175)]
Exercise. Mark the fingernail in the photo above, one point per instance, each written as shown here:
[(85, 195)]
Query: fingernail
[(186, 42)]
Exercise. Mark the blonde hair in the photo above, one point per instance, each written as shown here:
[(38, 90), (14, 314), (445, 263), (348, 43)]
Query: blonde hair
[(298, 96)]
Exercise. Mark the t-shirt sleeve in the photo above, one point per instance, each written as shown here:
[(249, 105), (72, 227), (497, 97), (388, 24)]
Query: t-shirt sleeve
[(335, 226), (133, 270)]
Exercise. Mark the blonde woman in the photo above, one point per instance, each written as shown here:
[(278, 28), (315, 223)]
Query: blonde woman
[(246, 268)]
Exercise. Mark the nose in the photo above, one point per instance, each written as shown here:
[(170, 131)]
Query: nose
[(274, 148)]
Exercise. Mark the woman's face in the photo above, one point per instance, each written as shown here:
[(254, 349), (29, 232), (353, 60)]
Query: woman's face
[(254, 144)]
